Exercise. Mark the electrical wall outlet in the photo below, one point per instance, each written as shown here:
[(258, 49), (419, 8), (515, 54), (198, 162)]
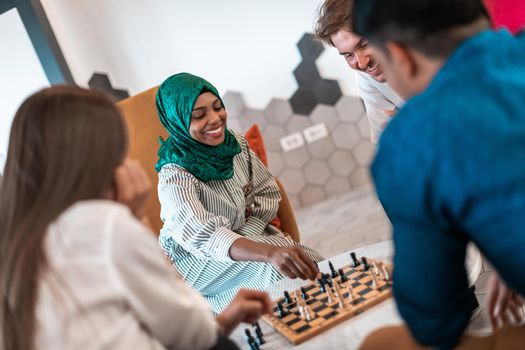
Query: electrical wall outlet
[(316, 132), (292, 141)]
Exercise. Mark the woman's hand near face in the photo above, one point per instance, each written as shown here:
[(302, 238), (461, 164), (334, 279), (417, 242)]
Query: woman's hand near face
[(132, 186)]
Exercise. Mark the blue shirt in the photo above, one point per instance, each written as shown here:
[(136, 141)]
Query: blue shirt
[(450, 169)]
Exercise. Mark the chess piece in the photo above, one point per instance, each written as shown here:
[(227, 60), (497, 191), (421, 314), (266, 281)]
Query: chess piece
[(332, 270), (355, 261), (339, 296), (280, 310), (376, 268), (287, 298), (259, 333), (308, 313), (251, 340), (350, 291), (322, 283), (329, 281), (304, 294), (386, 274), (329, 295), (375, 284), (366, 267), (343, 276)]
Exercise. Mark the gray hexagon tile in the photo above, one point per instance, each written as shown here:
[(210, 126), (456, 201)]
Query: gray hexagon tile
[(296, 158), (278, 111), (364, 152), (316, 172), (275, 163), (360, 177), (250, 116), (297, 123), (233, 103), (336, 186), (309, 48), (342, 163), (350, 109), (321, 149), (346, 136), (306, 74), (293, 181), (312, 194), (272, 137), (325, 114), (364, 127)]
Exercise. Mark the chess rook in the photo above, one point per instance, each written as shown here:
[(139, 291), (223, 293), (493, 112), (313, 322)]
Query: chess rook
[(332, 270), (355, 261), (366, 267)]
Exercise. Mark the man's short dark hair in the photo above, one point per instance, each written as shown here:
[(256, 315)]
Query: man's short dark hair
[(426, 25)]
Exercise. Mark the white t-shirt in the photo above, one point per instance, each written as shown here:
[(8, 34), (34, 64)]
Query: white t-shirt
[(378, 98), (108, 286)]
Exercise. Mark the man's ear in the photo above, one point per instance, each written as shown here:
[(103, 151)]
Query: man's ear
[(402, 58)]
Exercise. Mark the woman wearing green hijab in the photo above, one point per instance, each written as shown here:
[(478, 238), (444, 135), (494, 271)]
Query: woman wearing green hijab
[(217, 200)]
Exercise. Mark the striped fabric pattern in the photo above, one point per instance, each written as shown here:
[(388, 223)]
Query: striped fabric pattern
[(203, 219)]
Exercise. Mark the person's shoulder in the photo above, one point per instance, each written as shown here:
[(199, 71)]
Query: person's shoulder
[(171, 171)]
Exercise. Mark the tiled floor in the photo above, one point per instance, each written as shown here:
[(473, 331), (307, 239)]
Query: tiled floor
[(356, 219)]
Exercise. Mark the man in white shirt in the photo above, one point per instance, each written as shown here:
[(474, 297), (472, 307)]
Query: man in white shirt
[(381, 102)]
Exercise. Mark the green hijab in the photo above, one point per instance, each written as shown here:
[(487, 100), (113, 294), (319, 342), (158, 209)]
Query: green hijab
[(176, 97)]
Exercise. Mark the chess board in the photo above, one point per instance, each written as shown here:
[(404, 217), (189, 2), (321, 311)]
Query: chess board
[(297, 329)]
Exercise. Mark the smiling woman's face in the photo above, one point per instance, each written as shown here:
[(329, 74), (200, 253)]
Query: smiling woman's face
[(208, 120)]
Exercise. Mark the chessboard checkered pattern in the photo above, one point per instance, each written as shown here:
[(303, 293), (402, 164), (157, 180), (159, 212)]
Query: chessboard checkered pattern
[(326, 315)]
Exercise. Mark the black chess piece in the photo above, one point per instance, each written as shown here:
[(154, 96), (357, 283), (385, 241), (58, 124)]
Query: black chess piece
[(366, 266), (355, 261), (251, 340), (322, 284), (280, 310), (329, 281), (259, 333), (287, 297), (332, 269), (343, 276), (304, 294)]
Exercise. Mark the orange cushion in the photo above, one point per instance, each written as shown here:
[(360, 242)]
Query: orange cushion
[(255, 141)]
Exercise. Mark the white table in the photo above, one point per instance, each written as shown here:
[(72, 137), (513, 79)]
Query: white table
[(348, 334)]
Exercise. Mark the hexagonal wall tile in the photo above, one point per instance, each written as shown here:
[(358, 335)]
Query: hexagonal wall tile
[(309, 48), (364, 127), (342, 163), (250, 116), (350, 108), (303, 101), (325, 114), (275, 163), (321, 149), (364, 152), (272, 137), (293, 181), (360, 177), (336, 185), (296, 158), (306, 74), (327, 91), (312, 194), (316, 172), (346, 136), (297, 123), (278, 111)]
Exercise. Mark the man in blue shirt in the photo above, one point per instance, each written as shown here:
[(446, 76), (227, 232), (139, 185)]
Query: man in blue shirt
[(450, 167)]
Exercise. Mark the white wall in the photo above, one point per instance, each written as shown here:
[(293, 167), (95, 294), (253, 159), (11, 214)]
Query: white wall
[(239, 45), (20, 73)]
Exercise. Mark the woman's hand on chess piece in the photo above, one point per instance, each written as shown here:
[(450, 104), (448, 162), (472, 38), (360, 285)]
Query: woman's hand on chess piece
[(247, 306), (132, 187), (293, 262), (503, 304)]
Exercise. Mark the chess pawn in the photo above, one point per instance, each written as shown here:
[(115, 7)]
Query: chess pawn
[(350, 291), (386, 274), (308, 313), (375, 284), (251, 340), (259, 333), (304, 294), (339, 295), (343, 278), (376, 268), (287, 298), (366, 266)]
